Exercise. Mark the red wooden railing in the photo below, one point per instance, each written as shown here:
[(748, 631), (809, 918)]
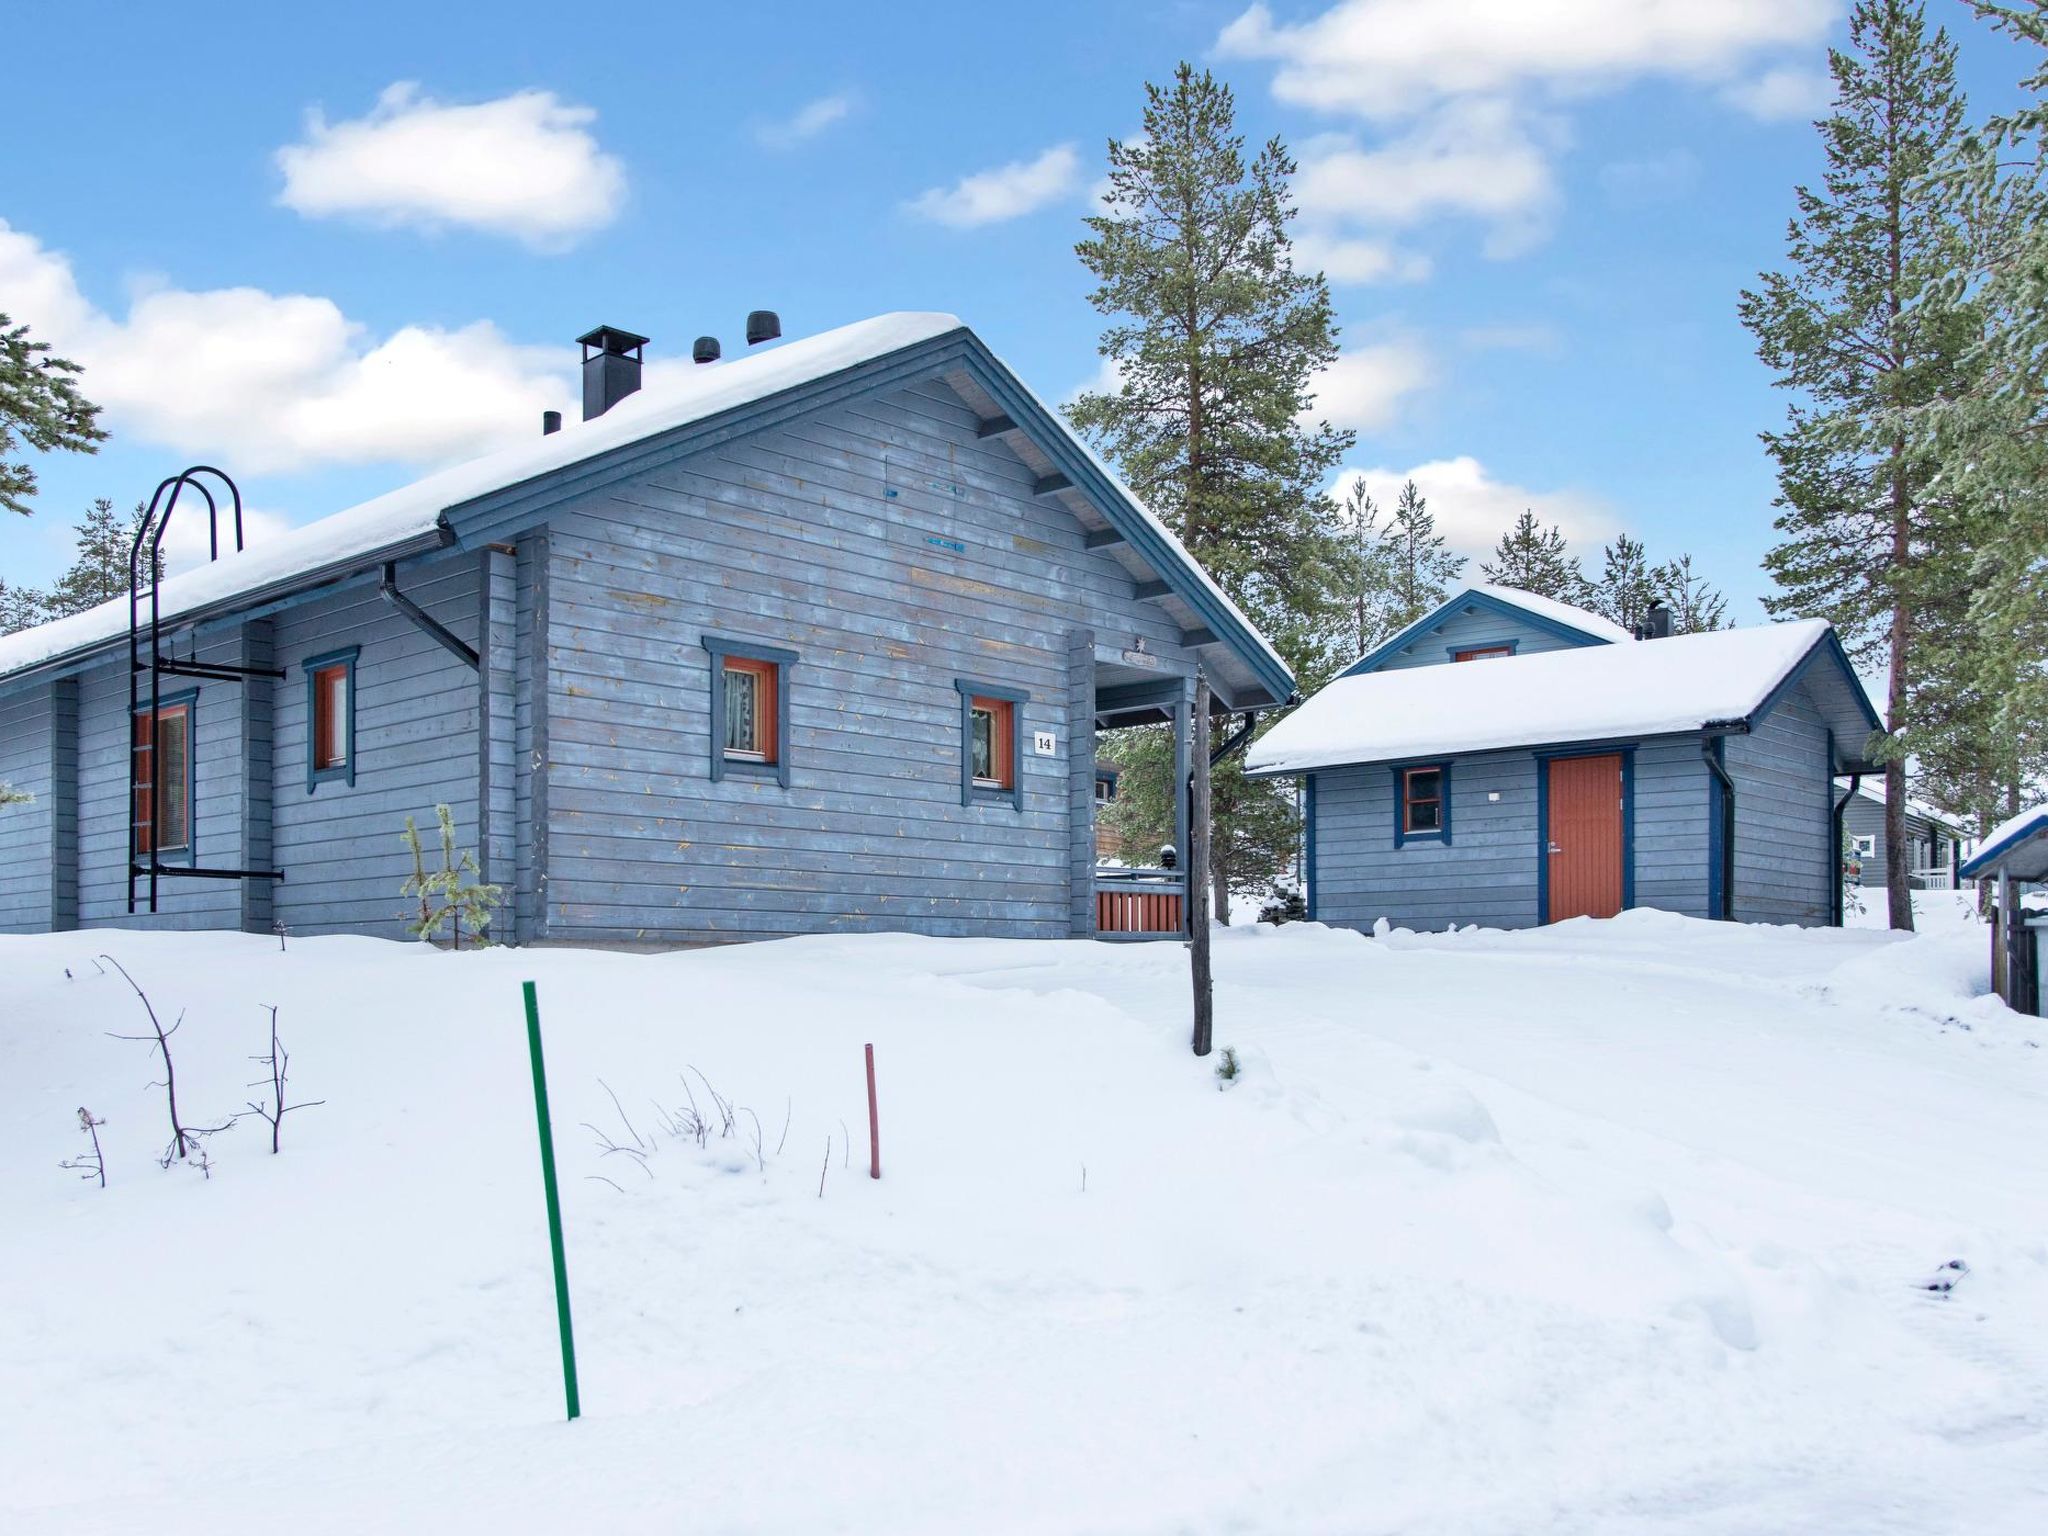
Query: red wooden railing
[(1139, 901)]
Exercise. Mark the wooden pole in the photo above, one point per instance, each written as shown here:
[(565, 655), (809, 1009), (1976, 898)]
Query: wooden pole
[(874, 1123), (1198, 874)]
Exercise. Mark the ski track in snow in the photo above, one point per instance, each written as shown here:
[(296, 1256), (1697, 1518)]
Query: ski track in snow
[(1610, 1227)]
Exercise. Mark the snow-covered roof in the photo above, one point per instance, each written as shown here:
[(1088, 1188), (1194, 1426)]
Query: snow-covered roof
[(362, 535), (1873, 789), (2018, 846), (1550, 608), (1589, 693)]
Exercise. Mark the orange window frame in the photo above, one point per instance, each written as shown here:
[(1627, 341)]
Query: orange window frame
[(765, 710), (1002, 741), (175, 799), (331, 746), (1482, 652), (1410, 801)]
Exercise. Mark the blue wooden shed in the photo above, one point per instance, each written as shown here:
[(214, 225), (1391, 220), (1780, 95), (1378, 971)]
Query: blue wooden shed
[(815, 639), (1509, 760), (2013, 856)]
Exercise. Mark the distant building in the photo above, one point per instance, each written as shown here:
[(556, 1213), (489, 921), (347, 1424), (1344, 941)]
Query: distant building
[(1934, 841)]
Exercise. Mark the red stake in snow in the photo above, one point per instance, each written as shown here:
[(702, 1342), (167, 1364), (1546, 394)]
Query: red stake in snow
[(874, 1123)]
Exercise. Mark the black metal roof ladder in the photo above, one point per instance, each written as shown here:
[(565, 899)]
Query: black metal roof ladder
[(145, 795)]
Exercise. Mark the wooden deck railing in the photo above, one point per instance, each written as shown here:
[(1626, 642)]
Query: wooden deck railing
[(1139, 903)]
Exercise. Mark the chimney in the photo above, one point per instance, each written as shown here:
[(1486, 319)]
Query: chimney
[(706, 350), (762, 325), (611, 368), (550, 423), (1658, 626)]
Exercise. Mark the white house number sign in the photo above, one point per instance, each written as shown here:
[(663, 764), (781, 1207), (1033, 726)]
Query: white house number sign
[(1044, 743)]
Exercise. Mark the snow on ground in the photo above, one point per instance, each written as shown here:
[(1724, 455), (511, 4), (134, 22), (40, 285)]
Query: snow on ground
[(1609, 1227)]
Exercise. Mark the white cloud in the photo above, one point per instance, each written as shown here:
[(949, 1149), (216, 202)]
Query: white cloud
[(1650, 178), (186, 542), (1365, 387), (1389, 58), (1346, 258), (282, 381), (1006, 192), (807, 122), (1785, 94), (524, 165), (1473, 509), (1480, 159)]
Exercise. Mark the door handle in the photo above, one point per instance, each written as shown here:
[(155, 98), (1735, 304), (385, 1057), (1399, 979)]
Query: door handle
[(1555, 849)]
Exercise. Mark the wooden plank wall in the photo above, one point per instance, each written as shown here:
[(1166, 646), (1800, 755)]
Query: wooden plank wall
[(27, 832), (1783, 802), (894, 552), (1463, 631)]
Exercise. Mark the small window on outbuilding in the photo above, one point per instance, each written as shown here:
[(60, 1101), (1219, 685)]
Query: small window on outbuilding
[(749, 709), (162, 779), (991, 724), (1422, 803), (1482, 652), (331, 718)]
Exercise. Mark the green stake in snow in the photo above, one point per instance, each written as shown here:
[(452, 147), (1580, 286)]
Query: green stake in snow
[(547, 1173)]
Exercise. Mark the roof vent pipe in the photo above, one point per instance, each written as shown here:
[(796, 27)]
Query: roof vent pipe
[(705, 350), (550, 423), (762, 325), (611, 368)]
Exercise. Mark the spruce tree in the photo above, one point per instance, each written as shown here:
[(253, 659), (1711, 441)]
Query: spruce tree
[(21, 608), (39, 405), (1840, 328), (1535, 559), (1369, 572), (1217, 340), (1423, 566)]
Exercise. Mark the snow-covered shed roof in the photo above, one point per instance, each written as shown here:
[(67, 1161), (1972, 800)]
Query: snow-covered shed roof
[(2017, 846), (1577, 624), (1722, 679), (412, 519)]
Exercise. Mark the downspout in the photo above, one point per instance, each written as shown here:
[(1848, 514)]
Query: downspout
[(387, 588), (1710, 751)]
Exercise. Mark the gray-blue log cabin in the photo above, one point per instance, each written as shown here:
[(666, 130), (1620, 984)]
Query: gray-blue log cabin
[(1934, 841), (1508, 760), (816, 639)]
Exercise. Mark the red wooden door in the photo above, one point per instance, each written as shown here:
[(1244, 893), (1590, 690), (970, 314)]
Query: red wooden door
[(1585, 837)]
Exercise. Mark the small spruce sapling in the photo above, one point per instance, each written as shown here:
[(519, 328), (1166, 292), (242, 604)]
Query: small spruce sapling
[(1227, 1069), (451, 895)]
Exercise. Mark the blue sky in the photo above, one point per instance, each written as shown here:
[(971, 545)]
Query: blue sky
[(331, 247)]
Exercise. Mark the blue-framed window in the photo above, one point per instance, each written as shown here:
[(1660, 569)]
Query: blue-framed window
[(331, 717), (1422, 803), (749, 709), (163, 779), (991, 743)]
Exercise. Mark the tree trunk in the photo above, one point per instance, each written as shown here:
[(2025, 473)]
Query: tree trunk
[(1197, 887)]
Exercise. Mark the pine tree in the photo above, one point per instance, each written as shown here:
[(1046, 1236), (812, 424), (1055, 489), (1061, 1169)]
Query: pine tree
[(1841, 330), (1695, 605), (99, 572), (1535, 559), (41, 406), (1217, 340), (1628, 588), (1370, 569), (21, 608), (1423, 566), (1986, 749)]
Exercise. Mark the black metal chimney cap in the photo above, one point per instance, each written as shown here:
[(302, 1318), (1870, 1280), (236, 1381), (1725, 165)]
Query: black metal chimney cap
[(762, 325), (610, 338), (705, 350)]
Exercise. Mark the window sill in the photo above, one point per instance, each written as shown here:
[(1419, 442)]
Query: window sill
[(990, 794), (751, 768), (343, 775)]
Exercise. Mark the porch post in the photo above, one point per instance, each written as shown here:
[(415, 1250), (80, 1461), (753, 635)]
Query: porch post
[(1181, 714), (1080, 733), (1197, 898)]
